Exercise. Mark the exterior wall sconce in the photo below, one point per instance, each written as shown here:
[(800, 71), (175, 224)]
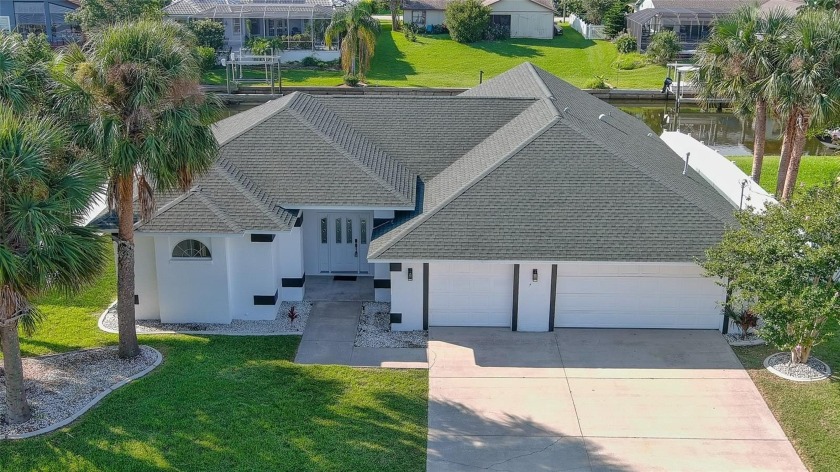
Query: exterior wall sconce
[(534, 275), (410, 274)]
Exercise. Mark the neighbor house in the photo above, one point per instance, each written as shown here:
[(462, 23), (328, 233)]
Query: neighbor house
[(522, 203), (692, 20), (40, 16), (299, 24), (525, 18)]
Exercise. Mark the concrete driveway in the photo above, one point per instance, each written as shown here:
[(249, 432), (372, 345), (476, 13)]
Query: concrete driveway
[(596, 400)]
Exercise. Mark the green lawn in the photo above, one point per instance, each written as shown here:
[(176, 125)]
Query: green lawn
[(437, 61), (226, 403), (812, 171)]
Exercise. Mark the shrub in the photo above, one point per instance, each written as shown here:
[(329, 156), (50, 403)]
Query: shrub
[(208, 33), (411, 30), (439, 29), (599, 82), (495, 32), (630, 61), (746, 319), (615, 20), (310, 61), (206, 57), (351, 80), (663, 48), (467, 20), (258, 45), (626, 43)]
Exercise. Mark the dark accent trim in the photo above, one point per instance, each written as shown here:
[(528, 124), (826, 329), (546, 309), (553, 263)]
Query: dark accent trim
[(262, 238), (266, 299), (426, 295), (514, 316), (344, 278), (726, 308), (395, 267), (552, 305), (381, 283), (136, 299), (299, 220), (396, 318), (293, 282)]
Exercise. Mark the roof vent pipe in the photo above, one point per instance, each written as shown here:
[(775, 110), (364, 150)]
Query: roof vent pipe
[(685, 169), (601, 116)]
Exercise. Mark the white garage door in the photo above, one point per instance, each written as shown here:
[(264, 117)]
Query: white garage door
[(464, 294), (630, 296)]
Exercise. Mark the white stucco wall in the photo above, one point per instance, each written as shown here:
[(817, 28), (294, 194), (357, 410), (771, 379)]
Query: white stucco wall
[(193, 290), (407, 297), (381, 272), (145, 279), (251, 271), (289, 257), (534, 297)]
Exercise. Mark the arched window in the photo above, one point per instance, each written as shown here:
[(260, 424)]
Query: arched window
[(191, 248)]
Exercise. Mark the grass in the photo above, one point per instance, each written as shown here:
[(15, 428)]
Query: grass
[(226, 403), (437, 61), (813, 170), (808, 412)]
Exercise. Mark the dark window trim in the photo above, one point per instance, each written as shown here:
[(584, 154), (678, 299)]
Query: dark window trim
[(552, 305), (514, 316), (426, 295), (267, 299), (396, 318), (395, 267), (381, 283), (262, 238), (136, 299)]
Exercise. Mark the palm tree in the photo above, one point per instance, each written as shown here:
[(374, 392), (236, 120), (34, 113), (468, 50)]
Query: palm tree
[(134, 92), (741, 52), (358, 29), (810, 78), (23, 69), (45, 190)]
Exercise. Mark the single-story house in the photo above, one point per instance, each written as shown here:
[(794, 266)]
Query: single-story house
[(40, 16), (525, 18), (692, 20), (523, 203), (300, 24)]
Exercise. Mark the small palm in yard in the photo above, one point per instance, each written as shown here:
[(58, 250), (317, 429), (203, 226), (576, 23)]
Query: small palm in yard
[(357, 28), (45, 190), (134, 97)]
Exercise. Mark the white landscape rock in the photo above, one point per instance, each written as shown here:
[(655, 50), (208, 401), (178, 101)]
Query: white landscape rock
[(281, 325), (780, 364), (375, 329), (60, 387)]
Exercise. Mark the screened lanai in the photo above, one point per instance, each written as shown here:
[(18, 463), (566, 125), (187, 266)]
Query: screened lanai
[(692, 25), (299, 24)]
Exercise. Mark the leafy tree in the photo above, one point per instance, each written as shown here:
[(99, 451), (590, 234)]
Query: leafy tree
[(134, 97), (394, 6), (93, 14), (208, 33), (783, 263), (741, 52), (663, 48), (24, 69), (467, 20), (46, 187), (596, 10), (356, 25), (615, 19)]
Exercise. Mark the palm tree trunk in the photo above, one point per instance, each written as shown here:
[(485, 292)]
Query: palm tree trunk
[(784, 161), (17, 408), (795, 156), (125, 269), (395, 22), (759, 140)]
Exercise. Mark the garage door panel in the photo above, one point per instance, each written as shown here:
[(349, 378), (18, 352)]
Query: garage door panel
[(470, 294)]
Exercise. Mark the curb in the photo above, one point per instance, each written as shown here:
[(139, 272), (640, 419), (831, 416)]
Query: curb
[(102, 327), (795, 379), (90, 404)]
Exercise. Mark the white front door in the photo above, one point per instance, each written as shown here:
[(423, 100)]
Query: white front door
[(344, 241)]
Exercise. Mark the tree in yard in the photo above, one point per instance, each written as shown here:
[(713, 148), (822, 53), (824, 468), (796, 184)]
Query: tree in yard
[(808, 81), (394, 6), (208, 33), (46, 187), (596, 10), (615, 19), (467, 20), (741, 53), (663, 48), (784, 264), (357, 28), (135, 101), (93, 14), (24, 70)]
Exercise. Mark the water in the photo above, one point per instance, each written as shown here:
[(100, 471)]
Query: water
[(722, 131)]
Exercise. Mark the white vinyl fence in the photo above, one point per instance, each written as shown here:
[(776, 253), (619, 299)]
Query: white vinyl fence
[(588, 31)]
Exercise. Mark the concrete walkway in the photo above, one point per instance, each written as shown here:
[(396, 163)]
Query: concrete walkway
[(329, 336), (596, 400)]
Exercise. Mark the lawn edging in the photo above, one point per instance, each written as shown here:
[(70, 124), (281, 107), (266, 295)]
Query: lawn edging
[(90, 404), (102, 327)]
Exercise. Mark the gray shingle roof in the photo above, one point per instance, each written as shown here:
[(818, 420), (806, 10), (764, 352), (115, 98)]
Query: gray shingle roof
[(594, 186)]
